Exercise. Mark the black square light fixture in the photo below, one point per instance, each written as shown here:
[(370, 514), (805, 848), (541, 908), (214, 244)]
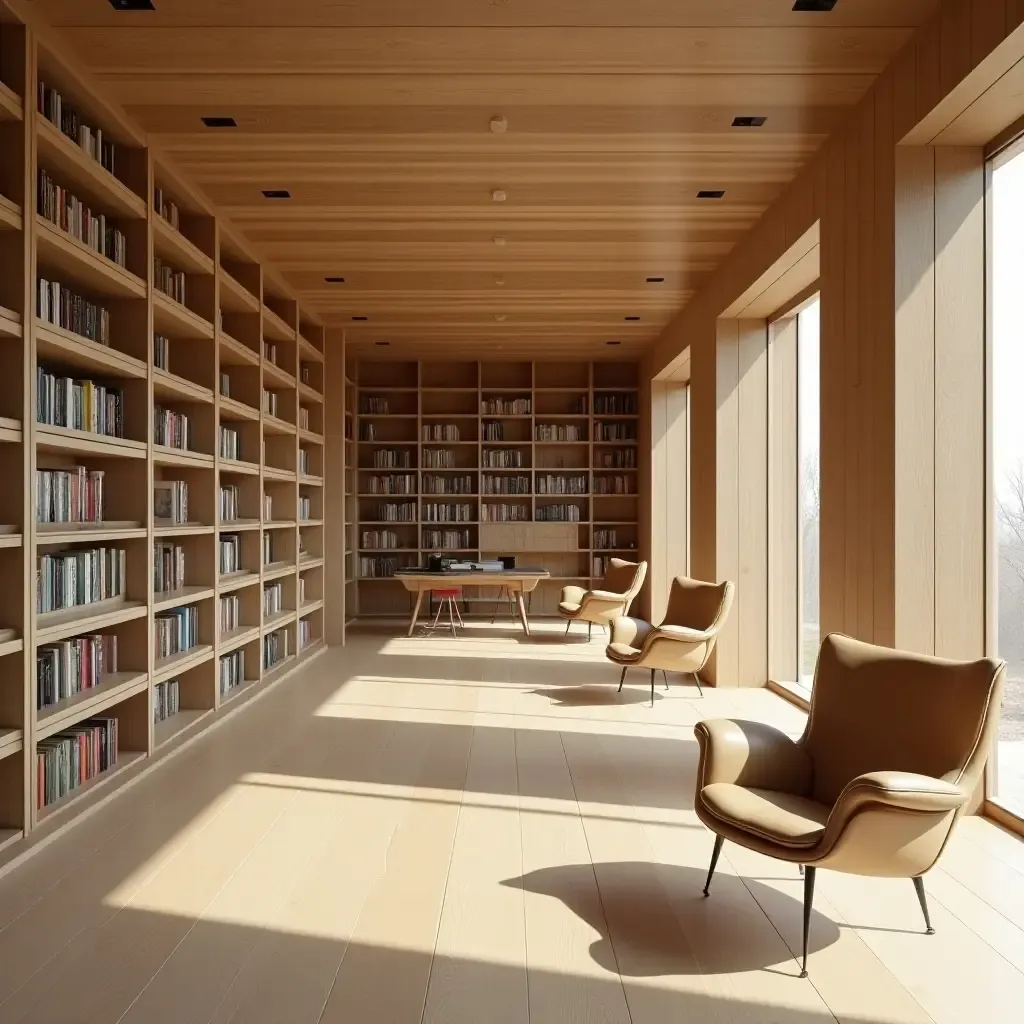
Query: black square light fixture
[(711, 193), (360, 318), (655, 280), (613, 342), (335, 280), (220, 122), (748, 122), (815, 6), (631, 318), (132, 5), (276, 193), (381, 344)]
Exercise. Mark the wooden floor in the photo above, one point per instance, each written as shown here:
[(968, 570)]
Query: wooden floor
[(477, 832)]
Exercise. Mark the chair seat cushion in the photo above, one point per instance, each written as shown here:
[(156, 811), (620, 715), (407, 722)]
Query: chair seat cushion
[(568, 607), (768, 813), (622, 653)]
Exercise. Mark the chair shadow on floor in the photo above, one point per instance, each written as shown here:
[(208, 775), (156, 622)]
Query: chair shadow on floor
[(593, 695), (641, 936)]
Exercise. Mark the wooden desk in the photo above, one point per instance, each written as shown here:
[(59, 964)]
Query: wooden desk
[(518, 582)]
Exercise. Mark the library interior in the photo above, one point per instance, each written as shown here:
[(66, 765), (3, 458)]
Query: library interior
[(496, 494)]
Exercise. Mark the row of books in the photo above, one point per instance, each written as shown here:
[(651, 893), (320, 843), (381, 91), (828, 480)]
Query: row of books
[(559, 432), (441, 432), (229, 503), (70, 214), (446, 485), (376, 568), (305, 633), (607, 539), (69, 495), (372, 405), (273, 599), (170, 501), (176, 631), (303, 418), (389, 484), (622, 459), (367, 432), (168, 566), (447, 540), (502, 458), (494, 431), (73, 757), (562, 484), (229, 553), (225, 384), (305, 508), (268, 548), (69, 579), (79, 404), (303, 462), (71, 666), (275, 648), (54, 108), (504, 513), (391, 458), (302, 590), (171, 428), (268, 508), (615, 405), (229, 447), (65, 308), (166, 700), (232, 672), (168, 280), (505, 484), (270, 402), (229, 612), (434, 513), (394, 513), (162, 352), (560, 514), (614, 485), (166, 208), (379, 540), (506, 407), (616, 432), (270, 352)]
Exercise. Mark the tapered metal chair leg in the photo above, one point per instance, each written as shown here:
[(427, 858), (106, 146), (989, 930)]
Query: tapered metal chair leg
[(923, 900), (451, 615), (653, 674), (664, 675), (719, 842), (622, 678), (809, 873), (590, 631), (458, 612), (696, 679), (567, 625)]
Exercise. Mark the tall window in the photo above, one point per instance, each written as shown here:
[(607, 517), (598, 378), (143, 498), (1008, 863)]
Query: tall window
[(809, 481), (1007, 465)]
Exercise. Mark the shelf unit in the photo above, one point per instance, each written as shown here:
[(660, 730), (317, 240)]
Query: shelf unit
[(571, 427), (229, 308)]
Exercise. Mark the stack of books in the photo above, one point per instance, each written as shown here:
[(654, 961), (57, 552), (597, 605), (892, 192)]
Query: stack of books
[(229, 553), (168, 280), (232, 672), (273, 599), (230, 610), (229, 443), (275, 648), (166, 698), (170, 502), (168, 566), (162, 352), (73, 757), (53, 107), (168, 210), (176, 632), (171, 428), (71, 666), (228, 503), (70, 214), (65, 308), (69, 495), (69, 579), (79, 404)]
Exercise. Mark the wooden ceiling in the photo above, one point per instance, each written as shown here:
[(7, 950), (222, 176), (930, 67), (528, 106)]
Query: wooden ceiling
[(375, 115)]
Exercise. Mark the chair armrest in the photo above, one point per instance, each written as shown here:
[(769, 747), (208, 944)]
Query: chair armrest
[(631, 632), (905, 791), (686, 634), (751, 754), (573, 595), (606, 595)]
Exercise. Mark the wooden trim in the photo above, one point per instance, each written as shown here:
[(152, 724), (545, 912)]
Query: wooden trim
[(787, 694), (1001, 816)]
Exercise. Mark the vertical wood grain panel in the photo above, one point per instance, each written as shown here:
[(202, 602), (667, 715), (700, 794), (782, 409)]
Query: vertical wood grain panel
[(657, 502), (954, 43), (783, 502), (334, 487), (677, 524), (649, 506), (959, 402), (1014, 14), (703, 446), (903, 79), (727, 476), (928, 57), (752, 503), (988, 27)]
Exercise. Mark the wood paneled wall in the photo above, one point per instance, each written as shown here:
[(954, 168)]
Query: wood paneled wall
[(902, 290)]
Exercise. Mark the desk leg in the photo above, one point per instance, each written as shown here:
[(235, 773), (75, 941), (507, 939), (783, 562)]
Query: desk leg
[(415, 611), (522, 612)]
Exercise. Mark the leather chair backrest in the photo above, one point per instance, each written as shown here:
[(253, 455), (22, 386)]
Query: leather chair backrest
[(876, 709), (696, 604), (620, 576)]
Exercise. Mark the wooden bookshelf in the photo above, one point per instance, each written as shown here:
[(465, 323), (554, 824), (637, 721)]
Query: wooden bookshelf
[(561, 436), (227, 308)]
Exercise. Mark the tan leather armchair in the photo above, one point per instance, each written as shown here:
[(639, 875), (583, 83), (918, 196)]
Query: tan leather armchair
[(622, 582), (894, 747), (683, 643)]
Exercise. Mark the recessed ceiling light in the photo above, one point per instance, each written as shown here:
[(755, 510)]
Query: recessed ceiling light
[(382, 343), (499, 195), (815, 6), (360, 318), (276, 193), (220, 122), (748, 122), (613, 342), (499, 281), (499, 125), (631, 318), (132, 5), (655, 280), (499, 239), (711, 193), (335, 280), (501, 317)]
